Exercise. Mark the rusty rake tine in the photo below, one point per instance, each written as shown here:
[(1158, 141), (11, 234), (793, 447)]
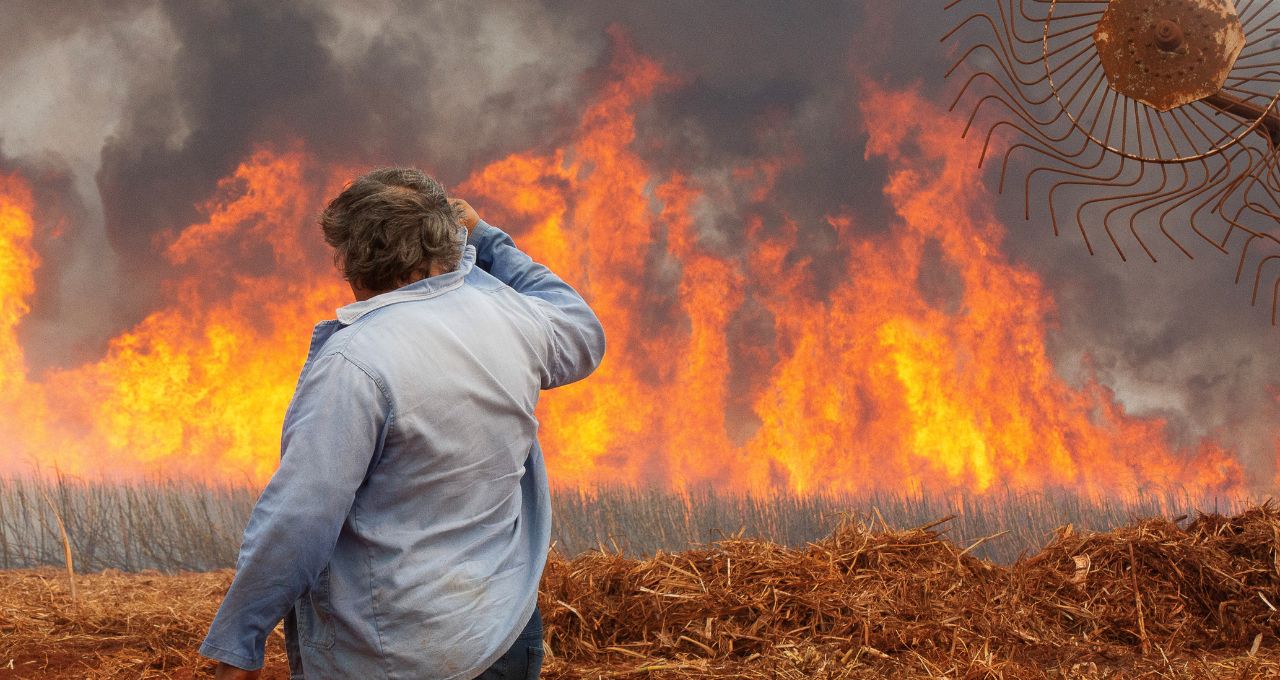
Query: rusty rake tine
[(1095, 181), (1009, 54), (1083, 51), (1142, 170), (1022, 10), (1047, 150), (1246, 21), (1275, 300), (1229, 190), (1026, 186), (1199, 130), (1148, 199), (1213, 142), (1058, 155), (995, 31), (1257, 283), (1250, 95), (1083, 139), (1144, 200), (1010, 97), (1215, 191), (1032, 134), (1012, 26), (1014, 77), (1260, 75), (1160, 219)]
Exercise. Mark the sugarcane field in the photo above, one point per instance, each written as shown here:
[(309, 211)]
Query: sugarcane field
[(541, 339)]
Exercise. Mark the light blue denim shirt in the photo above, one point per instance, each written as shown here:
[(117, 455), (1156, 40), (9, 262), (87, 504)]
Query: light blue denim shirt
[(405, 531)]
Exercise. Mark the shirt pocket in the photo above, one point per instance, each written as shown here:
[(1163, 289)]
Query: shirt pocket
[(315, 616)]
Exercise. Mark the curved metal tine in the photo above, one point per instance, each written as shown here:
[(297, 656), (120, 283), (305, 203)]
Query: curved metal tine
[(1247, 21), (1258, 77), (1022, 11), (1109, 184), (1138, 198), (1057, 154), (1213, 142), (1145, 200), (1015, 107), (1020, 111), (1211, 180), (1101, 156), (1015, 78), (1014, 74), (1006, 63), (1223, 188), (1086, 179), (1014, 102), (1271, 215), (1259, 270), (1228, 193), (1142, 171), (1182, 110), (1181, 190), (1051, 142), (1011, 97), (1275, 300), (1000, 36), (1036, 132), (1039, 21), (1248, 95)]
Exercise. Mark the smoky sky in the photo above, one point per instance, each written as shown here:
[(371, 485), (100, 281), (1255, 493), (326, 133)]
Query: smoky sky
[(125, 115)]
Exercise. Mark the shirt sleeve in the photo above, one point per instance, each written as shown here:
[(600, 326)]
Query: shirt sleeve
[(577, 338), (332, 435)]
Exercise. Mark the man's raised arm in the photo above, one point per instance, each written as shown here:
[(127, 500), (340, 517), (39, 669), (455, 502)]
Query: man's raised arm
[(576, 334), (333, 433)]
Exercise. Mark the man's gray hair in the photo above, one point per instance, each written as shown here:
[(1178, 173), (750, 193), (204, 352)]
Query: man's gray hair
[(389, 226)]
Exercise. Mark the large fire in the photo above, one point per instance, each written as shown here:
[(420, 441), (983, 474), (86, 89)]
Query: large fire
[(872, 383)]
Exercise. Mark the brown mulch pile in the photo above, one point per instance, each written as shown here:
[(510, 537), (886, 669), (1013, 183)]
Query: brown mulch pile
[(1151, 600)]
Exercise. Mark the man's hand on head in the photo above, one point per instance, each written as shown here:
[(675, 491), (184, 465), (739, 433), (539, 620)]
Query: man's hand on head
[(228, 672), (466, 214)]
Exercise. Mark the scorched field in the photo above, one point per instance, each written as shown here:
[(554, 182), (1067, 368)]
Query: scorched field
[(1189, 597)]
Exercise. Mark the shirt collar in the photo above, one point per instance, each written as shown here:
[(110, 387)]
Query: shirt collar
[(418, 290)]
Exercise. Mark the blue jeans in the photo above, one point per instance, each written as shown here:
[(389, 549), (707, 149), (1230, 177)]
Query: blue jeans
[(524, 660)]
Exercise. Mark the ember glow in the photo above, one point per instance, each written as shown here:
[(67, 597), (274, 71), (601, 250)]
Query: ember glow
[(877, 382)]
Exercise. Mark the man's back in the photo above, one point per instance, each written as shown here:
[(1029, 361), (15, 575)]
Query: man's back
[(409, 519), (460, 371)]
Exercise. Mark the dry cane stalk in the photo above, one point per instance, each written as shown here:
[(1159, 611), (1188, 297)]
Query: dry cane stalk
[(1137, 599), (66, 545)]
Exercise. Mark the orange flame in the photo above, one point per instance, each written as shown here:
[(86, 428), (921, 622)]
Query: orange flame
[(872, 384), (198, 387)]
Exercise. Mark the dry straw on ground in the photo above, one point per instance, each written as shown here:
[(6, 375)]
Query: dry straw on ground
[(1152, 600)]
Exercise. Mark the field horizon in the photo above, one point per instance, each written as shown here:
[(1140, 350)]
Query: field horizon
[(175, 525), (1155, 599)]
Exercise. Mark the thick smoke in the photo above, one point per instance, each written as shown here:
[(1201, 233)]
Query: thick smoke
[(135, 111)]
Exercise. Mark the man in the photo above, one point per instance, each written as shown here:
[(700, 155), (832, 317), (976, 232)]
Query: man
[(405, 531)]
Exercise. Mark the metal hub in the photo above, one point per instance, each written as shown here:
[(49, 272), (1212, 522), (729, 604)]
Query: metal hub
[(1167, 53)]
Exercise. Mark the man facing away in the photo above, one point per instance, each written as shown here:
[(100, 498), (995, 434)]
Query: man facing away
[(405, 531)]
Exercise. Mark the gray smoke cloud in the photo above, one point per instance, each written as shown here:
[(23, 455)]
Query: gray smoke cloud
[(128, 113)]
